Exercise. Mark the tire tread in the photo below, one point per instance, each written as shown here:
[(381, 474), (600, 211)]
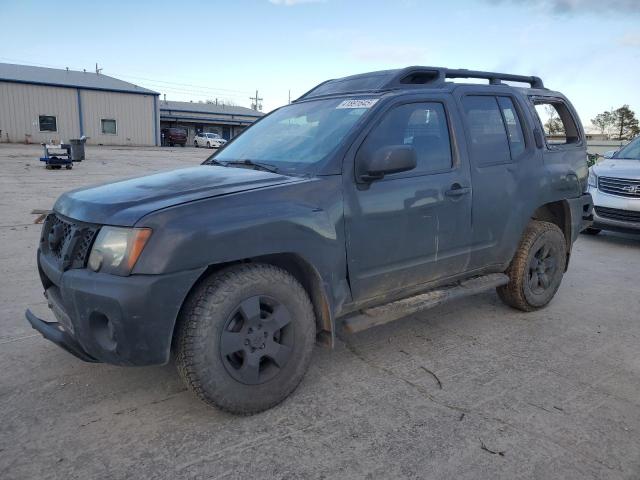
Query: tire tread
[(513, 292), (210, 295)]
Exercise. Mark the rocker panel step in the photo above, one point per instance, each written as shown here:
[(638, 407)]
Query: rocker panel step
[(372, 317)]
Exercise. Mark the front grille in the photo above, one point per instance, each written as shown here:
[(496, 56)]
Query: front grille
[(617, 214), (68, 242), (623, 187)]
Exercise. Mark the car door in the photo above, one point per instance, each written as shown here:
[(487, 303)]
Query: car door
[(503, 160), (410, 228)]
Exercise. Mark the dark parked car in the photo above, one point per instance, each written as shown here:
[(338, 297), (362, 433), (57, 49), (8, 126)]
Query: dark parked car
[(370, 197), (174, 136)]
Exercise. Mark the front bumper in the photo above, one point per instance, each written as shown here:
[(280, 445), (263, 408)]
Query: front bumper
[(112, 319), (608, 221)]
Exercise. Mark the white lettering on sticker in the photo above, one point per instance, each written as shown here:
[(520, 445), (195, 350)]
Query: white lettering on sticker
[(362, 103)]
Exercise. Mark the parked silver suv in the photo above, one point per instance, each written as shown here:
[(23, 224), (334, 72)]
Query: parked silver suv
[(614, 185)]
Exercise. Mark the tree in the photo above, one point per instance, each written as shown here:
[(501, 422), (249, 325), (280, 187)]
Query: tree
[(223, 102), (603, 122), (625, 122), (553, 125)]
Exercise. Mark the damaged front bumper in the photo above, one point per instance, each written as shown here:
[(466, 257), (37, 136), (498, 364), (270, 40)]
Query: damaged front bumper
[(55, 332), (112, 319)]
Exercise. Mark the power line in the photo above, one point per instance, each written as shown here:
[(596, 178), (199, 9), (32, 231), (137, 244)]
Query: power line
[(256, 102), (182, 84), (164, 84)]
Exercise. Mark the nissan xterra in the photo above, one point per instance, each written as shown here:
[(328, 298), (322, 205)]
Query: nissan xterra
[(368, 198)]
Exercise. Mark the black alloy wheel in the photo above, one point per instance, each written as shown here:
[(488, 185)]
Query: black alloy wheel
[(542, 268), (256, 342)]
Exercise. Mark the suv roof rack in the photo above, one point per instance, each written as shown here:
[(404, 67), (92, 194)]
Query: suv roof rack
[(438, 75), (411, 76)]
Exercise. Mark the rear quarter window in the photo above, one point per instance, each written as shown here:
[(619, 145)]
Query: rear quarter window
[(558, 124)]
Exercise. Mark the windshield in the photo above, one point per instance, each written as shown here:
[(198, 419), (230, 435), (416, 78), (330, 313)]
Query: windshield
[(298, 137), (212, 135), (630, 151)]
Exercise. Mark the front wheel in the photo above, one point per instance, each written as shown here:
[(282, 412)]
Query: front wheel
[(537, 267), (592, 231), (245, 338), (195, 144)]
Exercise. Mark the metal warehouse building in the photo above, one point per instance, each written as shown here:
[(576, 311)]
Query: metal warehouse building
[(227, 121), (39, 104)]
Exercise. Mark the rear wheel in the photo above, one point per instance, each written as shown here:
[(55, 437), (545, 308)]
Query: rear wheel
[(195, 144), (245, 338), (208, 144), (537, 267)]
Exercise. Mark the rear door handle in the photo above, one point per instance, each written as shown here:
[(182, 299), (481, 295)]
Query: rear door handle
[(457, 190)]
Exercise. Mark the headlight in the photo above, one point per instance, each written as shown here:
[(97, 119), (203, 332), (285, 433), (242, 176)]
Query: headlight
[(116, 250), (593, 179)]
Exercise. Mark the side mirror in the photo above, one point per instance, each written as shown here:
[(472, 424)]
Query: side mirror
[(610, 154), (385, 161)]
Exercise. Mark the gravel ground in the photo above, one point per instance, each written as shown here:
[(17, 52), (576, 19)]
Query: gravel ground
[(469, 390)]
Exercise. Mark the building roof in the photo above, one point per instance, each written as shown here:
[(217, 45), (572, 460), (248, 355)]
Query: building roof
[(193, 107), (67, 78)]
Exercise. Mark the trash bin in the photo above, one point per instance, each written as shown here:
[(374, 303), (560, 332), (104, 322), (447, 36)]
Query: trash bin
[(77, 149)]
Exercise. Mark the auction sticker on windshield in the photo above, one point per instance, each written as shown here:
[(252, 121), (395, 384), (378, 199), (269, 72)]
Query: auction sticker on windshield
[(361, 103)]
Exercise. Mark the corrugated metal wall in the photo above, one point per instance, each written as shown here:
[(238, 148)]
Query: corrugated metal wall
[(22, 104), (133, 114)]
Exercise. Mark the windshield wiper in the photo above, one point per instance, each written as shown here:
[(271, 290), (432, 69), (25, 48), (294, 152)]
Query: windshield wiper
[(267, 167), (213, 161)]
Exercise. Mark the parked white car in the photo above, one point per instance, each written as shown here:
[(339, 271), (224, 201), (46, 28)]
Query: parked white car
[(614, 185), (209, 140)]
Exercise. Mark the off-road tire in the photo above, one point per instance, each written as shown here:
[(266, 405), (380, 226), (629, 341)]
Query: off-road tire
[(519, 293), (202, 323), (592, 231)]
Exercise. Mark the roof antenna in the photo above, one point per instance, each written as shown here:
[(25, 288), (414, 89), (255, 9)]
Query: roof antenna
[(98, 70), (67, 68)]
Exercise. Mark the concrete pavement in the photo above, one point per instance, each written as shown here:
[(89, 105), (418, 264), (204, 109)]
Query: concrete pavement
[(469, 390)]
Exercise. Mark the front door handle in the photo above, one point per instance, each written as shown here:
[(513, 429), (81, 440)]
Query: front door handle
[(457, 190)]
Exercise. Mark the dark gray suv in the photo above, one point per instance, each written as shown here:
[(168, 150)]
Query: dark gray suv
[(368, 198)]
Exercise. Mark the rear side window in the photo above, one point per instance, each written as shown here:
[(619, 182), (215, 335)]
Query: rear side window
[(489, 144), (557, 122), (421, 125), (514, 126)]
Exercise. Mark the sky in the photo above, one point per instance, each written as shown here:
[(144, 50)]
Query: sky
[(203, 50)]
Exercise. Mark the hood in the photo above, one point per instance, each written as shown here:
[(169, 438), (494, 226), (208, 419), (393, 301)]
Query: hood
[(619, 168), (127, 201)]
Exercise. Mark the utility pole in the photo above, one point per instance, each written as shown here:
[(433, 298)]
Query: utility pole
[(256, 102), (289, 95)]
